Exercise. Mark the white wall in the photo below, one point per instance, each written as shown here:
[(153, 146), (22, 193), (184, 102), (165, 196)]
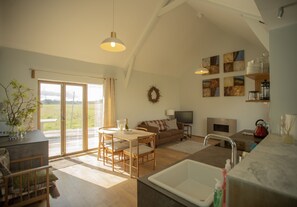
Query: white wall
[(1, 23), (283, 59), (212, 42), (131, 101)]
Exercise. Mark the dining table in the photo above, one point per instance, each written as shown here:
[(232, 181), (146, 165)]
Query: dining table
[(130, 135)]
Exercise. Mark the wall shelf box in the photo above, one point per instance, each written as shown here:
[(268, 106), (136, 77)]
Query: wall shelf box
[(258, 78)]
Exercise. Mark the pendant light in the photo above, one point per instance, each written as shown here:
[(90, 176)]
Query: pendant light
[(201, 71), (112, 43)]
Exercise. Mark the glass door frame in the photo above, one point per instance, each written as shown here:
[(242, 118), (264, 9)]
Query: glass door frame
[(63, 114)]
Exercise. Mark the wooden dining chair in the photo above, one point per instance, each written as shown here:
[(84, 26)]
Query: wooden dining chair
[(143, 152), (100, 143), (112, 149)]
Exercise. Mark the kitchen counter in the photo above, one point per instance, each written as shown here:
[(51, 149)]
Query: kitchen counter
[(266, 177), (149, 194)]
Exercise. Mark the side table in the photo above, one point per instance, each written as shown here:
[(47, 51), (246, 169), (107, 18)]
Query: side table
[(245, 140), (187, 130)]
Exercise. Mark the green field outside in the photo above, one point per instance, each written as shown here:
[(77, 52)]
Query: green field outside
[(73, 118)]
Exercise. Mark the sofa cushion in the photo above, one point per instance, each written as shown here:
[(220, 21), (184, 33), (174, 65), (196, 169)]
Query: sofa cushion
[(153, 124), (169, 133), (4, 163), (4, 157), (157, 123), (171, 124)]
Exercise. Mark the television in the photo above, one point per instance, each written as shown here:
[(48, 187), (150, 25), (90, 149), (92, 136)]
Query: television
[(185, 117)]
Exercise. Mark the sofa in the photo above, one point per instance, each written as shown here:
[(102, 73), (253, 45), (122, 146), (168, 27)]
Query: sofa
[(167, 130)]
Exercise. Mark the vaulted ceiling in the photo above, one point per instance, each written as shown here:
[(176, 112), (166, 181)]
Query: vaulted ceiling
[(161, 35)]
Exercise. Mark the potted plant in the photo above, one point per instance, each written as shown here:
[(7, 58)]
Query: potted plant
[(18, 107)]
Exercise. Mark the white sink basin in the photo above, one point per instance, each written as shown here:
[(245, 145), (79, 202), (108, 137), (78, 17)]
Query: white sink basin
[(191, 180)]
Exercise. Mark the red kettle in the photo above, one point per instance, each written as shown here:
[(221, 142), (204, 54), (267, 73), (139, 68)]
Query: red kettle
[(261, 129)]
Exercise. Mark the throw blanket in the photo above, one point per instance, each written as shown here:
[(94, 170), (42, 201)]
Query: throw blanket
[(54, 192)]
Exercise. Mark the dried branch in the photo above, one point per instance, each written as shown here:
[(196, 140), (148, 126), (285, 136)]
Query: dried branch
[(19, 104)]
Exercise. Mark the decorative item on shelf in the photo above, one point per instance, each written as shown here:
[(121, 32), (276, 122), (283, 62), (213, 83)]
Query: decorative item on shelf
[(265, 90), (170, 113), (254, 95), (289, 128), (153, 94), (113, 44), (258, 65), (265, 63), (18, 108)]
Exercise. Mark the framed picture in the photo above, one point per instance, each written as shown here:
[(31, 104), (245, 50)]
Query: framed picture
[(211, 87), (234, 86), (234, 61), (212, 64)]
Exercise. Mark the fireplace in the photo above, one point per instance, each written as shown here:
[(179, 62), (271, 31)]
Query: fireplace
[(225, 127)]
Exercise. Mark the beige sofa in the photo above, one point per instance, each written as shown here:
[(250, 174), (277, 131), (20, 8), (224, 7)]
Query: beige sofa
[(166, 130)]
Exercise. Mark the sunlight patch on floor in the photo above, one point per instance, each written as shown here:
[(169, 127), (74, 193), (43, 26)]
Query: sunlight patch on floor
[(105, 180)]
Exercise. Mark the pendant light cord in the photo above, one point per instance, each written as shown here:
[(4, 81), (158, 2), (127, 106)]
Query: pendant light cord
[(113, 15)]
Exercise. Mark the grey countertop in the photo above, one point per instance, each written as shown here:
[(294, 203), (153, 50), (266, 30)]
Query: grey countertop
[(270, 166), (30, 137)]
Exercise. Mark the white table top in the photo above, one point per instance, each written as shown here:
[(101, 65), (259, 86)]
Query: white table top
[(130, 135)]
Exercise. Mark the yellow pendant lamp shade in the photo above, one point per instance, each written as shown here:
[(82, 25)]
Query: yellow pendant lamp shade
[(112, 44), (201, 71)]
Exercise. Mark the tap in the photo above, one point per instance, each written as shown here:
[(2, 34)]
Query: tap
[(224, 138)]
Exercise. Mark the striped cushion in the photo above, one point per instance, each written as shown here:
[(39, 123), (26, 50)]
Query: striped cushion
[(161, 124)]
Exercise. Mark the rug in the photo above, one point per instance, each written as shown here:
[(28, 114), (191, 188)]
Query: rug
[(188, 146)]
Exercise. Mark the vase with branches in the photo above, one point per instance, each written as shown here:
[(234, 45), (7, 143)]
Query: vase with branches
[(18, 108), (287, 123)]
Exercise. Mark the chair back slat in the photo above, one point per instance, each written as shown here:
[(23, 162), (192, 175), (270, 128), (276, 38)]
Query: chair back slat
[(147, 140)]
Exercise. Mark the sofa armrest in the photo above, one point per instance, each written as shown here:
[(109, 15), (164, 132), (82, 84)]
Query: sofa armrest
[(150, 128), (180, 125)]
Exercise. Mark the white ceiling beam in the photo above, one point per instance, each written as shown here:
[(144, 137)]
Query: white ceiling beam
[(130, 68), (164, 7), (240, 12), (131, 59), (169, 7), (146, 31)]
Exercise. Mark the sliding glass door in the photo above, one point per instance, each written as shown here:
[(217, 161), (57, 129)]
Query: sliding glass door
[(70, 115), (50, 115), (74, 114), (95, 113)]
